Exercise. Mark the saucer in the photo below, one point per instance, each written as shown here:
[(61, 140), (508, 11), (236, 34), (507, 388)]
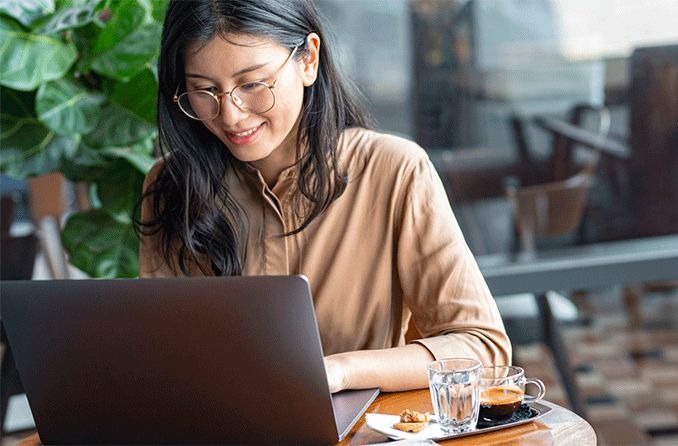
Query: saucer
[(383, 424)]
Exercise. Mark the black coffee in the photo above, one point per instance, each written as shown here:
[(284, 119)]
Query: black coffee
[(499, 403)]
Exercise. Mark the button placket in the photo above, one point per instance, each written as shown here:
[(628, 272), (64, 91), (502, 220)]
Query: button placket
[(274, 243)]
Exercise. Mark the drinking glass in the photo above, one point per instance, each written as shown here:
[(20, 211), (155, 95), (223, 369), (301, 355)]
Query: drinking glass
[(455, 393)]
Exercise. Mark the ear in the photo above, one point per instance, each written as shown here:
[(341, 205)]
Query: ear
[(310, 61)]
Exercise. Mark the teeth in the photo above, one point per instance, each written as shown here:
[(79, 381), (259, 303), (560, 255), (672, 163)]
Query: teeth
[(248, 132)]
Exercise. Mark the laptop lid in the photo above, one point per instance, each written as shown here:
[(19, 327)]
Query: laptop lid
[(173, 361)]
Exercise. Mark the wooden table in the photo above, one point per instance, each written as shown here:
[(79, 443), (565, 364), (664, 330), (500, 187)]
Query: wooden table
[(558, 427)]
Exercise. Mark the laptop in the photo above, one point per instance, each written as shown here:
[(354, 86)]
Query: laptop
[(210, 360)]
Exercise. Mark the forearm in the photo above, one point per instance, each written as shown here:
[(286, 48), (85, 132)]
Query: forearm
[(392, 369), (404, 368)]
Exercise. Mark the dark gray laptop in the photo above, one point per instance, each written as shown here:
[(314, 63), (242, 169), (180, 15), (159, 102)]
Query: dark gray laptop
[(212, 360)]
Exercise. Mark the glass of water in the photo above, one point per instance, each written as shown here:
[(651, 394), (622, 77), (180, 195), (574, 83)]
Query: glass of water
[(455, 393)]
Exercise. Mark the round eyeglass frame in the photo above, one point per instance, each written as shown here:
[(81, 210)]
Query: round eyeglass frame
[(237, 101)]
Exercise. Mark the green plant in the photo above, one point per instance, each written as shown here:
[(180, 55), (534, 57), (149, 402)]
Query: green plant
[(79, 84)]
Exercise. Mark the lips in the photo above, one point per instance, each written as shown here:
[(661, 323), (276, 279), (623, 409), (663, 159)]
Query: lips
[(244, 137)]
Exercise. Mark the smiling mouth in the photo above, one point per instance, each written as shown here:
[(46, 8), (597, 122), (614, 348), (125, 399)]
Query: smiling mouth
[(246, 137), (246, 132)]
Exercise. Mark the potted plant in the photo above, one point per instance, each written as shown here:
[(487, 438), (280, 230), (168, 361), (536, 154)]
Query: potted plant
[(78, 92)]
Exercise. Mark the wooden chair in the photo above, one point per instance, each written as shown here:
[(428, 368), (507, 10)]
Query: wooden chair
[(544, 212), (555, 206)]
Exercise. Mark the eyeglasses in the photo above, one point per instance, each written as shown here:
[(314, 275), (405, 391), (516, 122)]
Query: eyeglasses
[(250, 97)]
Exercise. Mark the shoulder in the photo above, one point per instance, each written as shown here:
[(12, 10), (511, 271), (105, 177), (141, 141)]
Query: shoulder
[(154, 172), (364, 148)]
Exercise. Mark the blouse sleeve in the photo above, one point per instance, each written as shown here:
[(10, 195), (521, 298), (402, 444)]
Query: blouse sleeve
[(450, 302)]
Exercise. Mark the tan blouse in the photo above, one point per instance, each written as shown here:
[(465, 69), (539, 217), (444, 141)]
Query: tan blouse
[(389, 249)]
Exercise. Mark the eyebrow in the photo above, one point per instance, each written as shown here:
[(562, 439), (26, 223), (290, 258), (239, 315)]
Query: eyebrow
[(238, 73)]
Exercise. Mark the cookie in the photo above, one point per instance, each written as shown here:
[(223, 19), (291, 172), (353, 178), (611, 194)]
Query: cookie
[(412, 421), (411, 427)]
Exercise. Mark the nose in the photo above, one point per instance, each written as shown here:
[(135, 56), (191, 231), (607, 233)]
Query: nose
[(230, 113)]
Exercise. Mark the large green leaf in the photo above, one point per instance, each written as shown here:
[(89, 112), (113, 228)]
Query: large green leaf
[(139, 155), (28, 147), (138, 95), (28, 60), (90, 164), (69, 17), (83, 38), (153, 66), (128, 43), (61, 4), (131, 55), (86, 164), (101, 246), (66, 107), (159, 9), (119, 127), (27, 11), (45, 157), (148, 6), (127, 16), (119, 189)]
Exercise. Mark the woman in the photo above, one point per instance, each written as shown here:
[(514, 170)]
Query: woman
[(268, 168)]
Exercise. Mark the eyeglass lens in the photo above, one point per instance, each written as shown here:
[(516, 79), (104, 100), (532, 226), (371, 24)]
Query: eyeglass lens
[(253, 97)]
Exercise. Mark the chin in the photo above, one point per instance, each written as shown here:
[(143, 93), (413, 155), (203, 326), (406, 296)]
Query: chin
[(246, 155)]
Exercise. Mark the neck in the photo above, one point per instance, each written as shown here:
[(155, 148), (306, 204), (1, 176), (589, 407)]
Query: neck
[(280, 159)]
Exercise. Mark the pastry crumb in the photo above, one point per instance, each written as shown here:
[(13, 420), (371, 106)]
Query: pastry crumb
[(412, 416)]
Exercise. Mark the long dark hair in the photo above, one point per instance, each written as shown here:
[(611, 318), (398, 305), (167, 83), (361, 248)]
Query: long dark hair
[(198, 221)]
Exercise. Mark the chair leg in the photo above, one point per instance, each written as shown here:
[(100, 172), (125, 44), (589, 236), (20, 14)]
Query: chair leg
[(554, 340), (10, 383)]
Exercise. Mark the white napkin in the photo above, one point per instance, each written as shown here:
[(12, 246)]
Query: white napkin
[(383, 423)]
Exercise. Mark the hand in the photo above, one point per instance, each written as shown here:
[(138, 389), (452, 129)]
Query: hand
[(336, 373)]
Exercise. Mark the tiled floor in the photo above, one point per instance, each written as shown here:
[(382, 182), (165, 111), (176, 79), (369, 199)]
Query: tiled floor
[(625, 355)]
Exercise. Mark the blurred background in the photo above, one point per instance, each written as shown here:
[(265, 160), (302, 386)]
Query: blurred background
[(455, 76), (554, 126), (552, 123)]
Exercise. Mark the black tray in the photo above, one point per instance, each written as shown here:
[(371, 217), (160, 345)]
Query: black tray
[(527, 413)]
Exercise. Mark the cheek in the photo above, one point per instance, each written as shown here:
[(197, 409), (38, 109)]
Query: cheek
[(288, 108)]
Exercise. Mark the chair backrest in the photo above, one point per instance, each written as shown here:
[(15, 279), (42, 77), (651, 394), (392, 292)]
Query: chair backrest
[(561, 163), (551, 209), (563, 148)]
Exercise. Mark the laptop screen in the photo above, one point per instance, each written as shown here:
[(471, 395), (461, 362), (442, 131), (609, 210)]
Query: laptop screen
[(181, 361)]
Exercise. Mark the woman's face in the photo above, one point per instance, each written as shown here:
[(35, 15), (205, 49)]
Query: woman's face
[(219, 66)]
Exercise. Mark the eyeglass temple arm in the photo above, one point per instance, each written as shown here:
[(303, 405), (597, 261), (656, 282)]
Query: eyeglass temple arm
[(175, 98), (277, 74)]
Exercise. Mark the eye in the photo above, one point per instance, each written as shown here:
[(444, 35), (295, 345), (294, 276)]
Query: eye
[(251, 87), (211, 89)]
